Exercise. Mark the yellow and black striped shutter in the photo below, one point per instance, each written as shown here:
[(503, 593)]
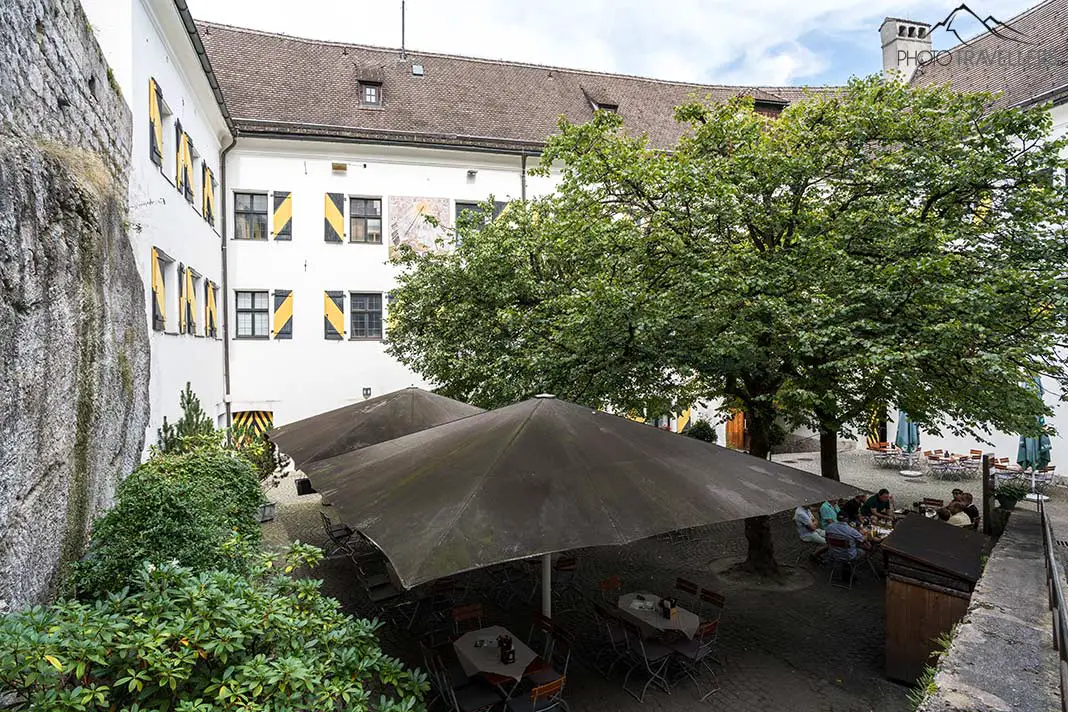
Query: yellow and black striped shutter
[(282, 222), (335, 217), (155, 122), (260, 421), (190, 303), (211, 323), (334, 315), (181, 298), (179, 162), (208, 209), (187, 168), (682, 421), (159, 296), (283, 314)]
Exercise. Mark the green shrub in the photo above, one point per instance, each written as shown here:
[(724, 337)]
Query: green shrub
[(179, 508), (193, 430), (257, 448), (702, 430), (185, 641), (1011, 490)]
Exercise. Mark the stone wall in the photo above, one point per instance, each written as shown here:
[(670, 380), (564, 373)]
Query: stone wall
[(1002, 655), (74, 353)]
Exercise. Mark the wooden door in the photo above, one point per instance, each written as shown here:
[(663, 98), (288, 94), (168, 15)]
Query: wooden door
[(736, 431)]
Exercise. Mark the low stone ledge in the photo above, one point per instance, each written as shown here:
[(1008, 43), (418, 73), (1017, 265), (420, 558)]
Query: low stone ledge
[(1002, 656)]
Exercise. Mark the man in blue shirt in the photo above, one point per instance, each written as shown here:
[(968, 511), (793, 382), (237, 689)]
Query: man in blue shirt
[(841, 530)]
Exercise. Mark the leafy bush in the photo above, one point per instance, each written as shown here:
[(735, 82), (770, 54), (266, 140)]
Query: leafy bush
[(185, 641), (257, 448), (179, 508), (702, 430)]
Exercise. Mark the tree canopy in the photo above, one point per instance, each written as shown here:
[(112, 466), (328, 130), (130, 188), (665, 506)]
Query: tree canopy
[(880, 244)]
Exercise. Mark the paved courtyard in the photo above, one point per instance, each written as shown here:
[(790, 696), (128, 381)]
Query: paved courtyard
[(810, 646)]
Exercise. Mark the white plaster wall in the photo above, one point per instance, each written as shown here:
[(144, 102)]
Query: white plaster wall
[(161, 217), (308, 374)]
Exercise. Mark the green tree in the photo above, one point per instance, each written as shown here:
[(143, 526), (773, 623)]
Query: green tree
[(173, 508), (188, 641), (702, 430), (192, 430), (881, 244)]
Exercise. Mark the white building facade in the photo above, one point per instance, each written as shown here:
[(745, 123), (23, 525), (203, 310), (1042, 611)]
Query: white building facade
[(179, 129)]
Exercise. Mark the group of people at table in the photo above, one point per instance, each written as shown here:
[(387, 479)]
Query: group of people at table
[(863, 520)]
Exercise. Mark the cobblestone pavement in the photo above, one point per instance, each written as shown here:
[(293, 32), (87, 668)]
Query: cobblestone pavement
[(815, 647)]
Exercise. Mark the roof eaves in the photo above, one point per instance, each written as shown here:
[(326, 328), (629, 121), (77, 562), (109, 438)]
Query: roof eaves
[(205, 63)]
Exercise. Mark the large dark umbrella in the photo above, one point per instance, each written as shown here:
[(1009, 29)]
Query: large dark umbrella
[(366, 423), (543, 476)]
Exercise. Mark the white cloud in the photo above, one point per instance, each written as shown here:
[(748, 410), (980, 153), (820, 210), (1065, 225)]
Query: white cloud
[(714, 41)]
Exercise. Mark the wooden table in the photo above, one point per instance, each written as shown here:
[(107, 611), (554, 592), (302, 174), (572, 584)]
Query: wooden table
[(652, 622), (487, 658)]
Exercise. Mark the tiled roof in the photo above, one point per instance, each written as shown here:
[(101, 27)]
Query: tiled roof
[(794, 94), (1027, 73), (277, 84)]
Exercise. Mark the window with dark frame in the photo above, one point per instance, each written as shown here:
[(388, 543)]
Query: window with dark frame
[(370, 94), (252, 315), (366, 315), (365, 220), (250, 216)]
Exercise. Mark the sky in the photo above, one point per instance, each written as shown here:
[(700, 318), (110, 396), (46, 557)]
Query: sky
[(754, 42)]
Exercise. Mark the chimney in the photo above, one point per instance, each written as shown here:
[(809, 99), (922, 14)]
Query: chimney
[(906, 45)]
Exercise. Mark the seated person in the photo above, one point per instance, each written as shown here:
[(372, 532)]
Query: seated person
[(943, 514), (956, 495), (842, 530), (970, 509), (851, 507), (957, 517), (808, 531), (878, 505), (829, 512)]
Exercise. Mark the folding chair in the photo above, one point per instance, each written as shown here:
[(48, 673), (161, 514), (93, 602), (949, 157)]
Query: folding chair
[(542, 698), (848, 566), (610, 589), (339, 534), (686, 587), (649, 656), (613, 638), (932, 503), (540, 637), (691, 655), (554, 666), (466, 618)]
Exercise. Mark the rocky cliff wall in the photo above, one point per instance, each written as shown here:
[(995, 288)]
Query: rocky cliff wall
[(74, 354)]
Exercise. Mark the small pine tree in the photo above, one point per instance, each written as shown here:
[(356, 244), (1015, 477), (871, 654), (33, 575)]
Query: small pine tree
[(192, 428)]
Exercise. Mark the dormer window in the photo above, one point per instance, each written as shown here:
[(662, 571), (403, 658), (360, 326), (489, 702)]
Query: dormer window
[(612, 108), (370, 94)]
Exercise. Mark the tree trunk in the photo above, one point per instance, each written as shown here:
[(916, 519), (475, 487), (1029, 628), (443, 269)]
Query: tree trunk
[(829, 454), (761, 557)]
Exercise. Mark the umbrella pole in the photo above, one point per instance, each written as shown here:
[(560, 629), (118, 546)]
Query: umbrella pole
[(547, 585)]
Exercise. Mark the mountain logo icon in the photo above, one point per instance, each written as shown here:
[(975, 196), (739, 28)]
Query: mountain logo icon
[(993, 25)]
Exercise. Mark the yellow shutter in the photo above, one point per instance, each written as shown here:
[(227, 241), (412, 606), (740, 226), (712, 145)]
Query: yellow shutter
[(181, 298), (155, 122), (210, 315), (282, 224), (190, 302), (179, 162), (335, 218), (208, 209), (334, 315), (159, 297), (189, 187), (283, 314)]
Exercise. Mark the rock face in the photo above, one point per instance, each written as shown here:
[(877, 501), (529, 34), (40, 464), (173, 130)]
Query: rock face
[(74, 353)]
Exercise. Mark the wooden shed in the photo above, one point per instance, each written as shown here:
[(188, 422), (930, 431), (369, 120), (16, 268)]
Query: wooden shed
[(932, 568)]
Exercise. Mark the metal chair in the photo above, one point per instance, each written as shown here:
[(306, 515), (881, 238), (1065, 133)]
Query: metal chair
[(610, 589), (540, 637), (544, 697), (466, 618), (691, 655), (554, 666), (649, 656), (687, 588), (841, 562), (613, 638), (932, 503), (340, 535)]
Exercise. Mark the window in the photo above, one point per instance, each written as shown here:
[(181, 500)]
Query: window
[(366, 310), (365, 220), (252, 315), (250, 216), (476, 208), (370, 94)]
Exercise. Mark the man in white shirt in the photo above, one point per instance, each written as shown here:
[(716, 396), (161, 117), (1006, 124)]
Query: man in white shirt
[(808, 531)]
